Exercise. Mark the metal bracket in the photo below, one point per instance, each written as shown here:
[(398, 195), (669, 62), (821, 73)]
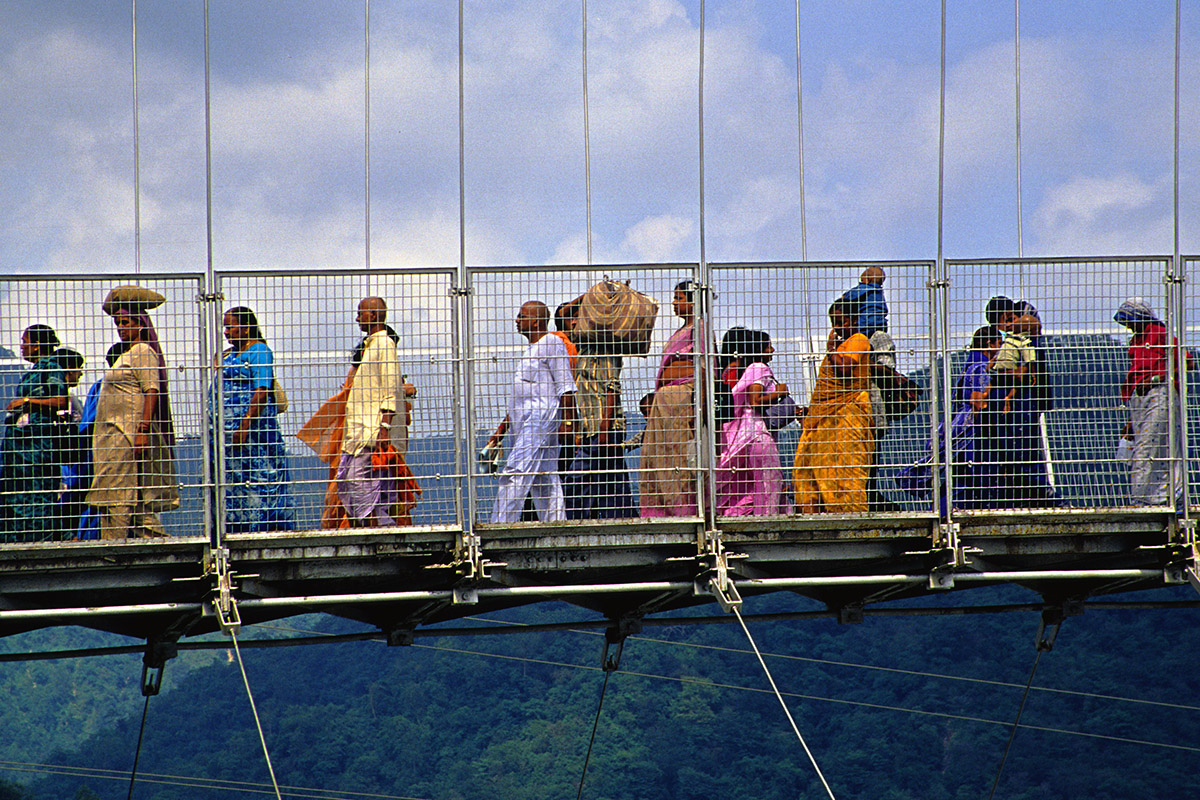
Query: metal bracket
[(158, 652), (224, 604), (715, 581), (946, 537), (1051, 623), (850, 614), (399, 636), (466, 595), (942, 577), (1193, 577), (210, 297), (616, 635), (940, 283), (459, 291)]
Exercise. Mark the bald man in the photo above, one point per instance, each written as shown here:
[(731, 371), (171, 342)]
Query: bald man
[(540, 409), (370, 408)]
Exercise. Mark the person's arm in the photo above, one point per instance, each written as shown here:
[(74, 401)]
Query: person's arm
[(566, 407), (54, 404), (498, 434), (757, 395), (258, 401), (142, 440), (389, 375)]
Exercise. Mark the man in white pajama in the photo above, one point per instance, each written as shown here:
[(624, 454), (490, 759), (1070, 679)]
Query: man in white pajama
[(542, 405)]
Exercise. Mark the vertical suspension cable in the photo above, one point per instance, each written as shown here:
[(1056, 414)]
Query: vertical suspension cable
[(942, 279), (367, 135), (254, 710), (1178, 291), (137, 156), (703, 404), (214, 463), (208, 151), (464, 341), (587, 137), (800, 137), (462, 194), (778, 696), (1017, 93), (810, 344)]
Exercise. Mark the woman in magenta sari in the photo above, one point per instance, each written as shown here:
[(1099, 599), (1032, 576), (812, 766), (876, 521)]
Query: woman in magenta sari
[(749, 475), (668, 468)]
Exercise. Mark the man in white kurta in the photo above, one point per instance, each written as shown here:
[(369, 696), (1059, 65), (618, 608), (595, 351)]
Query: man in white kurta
[(370, 407), (540, 406)]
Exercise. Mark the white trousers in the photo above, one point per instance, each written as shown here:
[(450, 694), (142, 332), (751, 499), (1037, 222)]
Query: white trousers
[(531, 467), (1151, 468)]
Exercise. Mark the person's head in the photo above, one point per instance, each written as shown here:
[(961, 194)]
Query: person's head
[(131, 326), (1135, 314), (38, 341), (533, 319), (241, 326), (71, 362), (1000, 311), (742, 347), (566, 316), (685, 299), (873, 275), (843, 315), (372, 314), (987, 339)]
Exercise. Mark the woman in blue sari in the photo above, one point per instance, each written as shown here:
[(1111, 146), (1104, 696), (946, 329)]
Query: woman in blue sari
[(31, 471), (975, 443), (256, 476)]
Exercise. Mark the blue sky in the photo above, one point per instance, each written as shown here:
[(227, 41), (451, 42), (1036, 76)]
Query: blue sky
[(288, 130)]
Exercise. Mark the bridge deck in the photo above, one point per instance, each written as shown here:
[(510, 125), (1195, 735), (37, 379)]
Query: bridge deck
[(399, 579)]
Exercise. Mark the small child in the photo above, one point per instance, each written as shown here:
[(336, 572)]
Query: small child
[(872, 306), (635, 441), (1012, 365)]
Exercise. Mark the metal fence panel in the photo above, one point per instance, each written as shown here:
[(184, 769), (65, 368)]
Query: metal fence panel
[(1048, 433), (309, 322), (35, 507), (604, 482), (845, 454)]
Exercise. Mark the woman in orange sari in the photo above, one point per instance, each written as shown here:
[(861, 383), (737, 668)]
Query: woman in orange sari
[(837, 441)]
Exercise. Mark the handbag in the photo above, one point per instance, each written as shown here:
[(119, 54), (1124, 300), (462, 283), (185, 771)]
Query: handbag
[(280, 397), (779, 413), (900, 392)]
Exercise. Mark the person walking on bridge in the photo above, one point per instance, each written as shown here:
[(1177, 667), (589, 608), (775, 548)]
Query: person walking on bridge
[(541, 407)]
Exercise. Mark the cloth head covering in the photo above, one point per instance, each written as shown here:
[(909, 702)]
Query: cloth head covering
[(1133, 310), (162, 408)]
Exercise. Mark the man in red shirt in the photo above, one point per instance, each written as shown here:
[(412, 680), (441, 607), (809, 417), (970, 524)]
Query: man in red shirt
[(1145, 391)]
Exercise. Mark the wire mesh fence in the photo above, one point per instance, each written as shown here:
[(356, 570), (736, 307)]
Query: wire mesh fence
[(445, 397)]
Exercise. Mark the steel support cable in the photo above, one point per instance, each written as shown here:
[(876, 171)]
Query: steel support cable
[(704, 682), (1012, 734), (1017, 95), (367, 136), (137, 155), (779, 696), (254, 710), (587, 148), (137, 753), (197, 782), (592, 740)]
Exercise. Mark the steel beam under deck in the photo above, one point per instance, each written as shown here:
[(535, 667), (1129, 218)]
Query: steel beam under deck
[(399, 580)]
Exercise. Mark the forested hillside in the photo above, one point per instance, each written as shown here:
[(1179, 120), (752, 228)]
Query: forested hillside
[(687, 716)]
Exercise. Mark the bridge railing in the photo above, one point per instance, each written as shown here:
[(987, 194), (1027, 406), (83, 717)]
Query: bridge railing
[(1055, 447)]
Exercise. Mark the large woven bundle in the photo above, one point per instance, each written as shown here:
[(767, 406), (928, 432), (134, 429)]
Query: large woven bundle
[(613, 312)]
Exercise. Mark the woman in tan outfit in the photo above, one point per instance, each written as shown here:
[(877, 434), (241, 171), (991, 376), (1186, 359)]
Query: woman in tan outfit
[(133, 440)]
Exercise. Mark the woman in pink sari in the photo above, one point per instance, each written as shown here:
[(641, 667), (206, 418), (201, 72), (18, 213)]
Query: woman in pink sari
[(749, 474), (668, 468)]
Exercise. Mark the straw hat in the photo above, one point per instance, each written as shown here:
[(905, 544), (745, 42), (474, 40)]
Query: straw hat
[(134, 298)]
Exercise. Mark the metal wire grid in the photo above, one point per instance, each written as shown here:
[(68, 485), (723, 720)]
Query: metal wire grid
[(1061, 450), (71, 306), (496, 297), (792, 303), (308, 321), (1191, 379)]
